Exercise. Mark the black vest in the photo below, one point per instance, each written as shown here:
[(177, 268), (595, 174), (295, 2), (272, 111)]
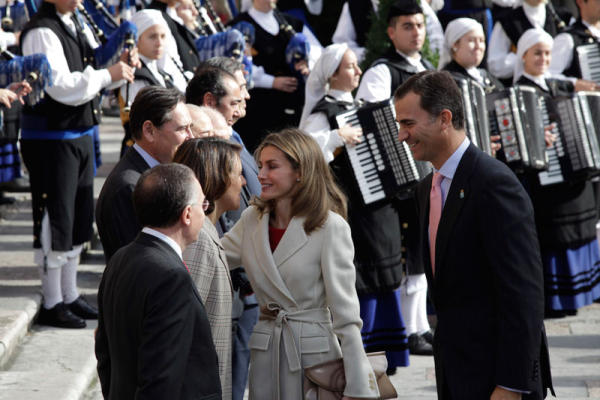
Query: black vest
[(144, 74), (489, 81), (516, 23), (50, 114), (269, 50), (186, 46), (400, 68), (361, 12), (581, 36)]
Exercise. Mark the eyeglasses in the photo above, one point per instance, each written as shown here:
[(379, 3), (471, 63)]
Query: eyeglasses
[(205, 204)]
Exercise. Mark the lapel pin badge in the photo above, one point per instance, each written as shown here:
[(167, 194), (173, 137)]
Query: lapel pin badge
[(462, 194)]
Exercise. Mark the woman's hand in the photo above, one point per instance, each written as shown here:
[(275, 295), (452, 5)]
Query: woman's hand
[(583, 85), (549, 137), (495, 144), (350, 135), (302, 67)]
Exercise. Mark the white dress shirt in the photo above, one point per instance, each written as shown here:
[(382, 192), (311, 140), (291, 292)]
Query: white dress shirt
[(346, 33), (317, 125), (501, 61), (563, 51), (151, 161), (376, 82), (70, 88), (173, 244)]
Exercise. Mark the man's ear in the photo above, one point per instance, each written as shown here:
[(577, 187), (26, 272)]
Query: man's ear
[(209, 100), (148, 131), (390, 31), (186, 215), (446, 118)]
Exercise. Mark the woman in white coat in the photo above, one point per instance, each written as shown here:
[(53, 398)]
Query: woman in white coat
[(297, 251)]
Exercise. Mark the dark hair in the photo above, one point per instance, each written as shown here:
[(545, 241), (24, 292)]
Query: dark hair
[(162, 193), (402, 7), (212, 160), (438, 92), (316, 191), (154, 104), (208, 79), (227, 64)]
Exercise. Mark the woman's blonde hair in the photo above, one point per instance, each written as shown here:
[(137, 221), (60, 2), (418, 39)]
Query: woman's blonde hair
[(316, 192)]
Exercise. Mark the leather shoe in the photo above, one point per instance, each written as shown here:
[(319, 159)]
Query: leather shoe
[(60, 316), (83, 309), (428, 336), (417, 345)]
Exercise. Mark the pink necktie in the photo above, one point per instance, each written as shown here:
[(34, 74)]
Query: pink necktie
[(435, 212)]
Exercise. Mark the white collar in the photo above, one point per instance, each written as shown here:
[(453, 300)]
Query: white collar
[(536, 15), (151, 161), (414, 61), (539, 80), (267, 20), (475, 74), (341, 95), (165, 239), (593, 30)]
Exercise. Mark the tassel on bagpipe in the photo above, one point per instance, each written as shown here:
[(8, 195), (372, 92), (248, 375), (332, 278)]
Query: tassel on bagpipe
[(111, 47), (35, 69), (222, 44), (247, 29), (101, 16)]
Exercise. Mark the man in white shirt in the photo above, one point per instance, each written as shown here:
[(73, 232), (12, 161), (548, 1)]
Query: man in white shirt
[(58, 152)]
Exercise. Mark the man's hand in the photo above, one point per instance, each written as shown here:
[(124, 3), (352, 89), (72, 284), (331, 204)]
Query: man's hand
[(120, 71), (549, 137), (504, 394), (302, 67), (495, 144), (21, 89), (131, 58), (285, 84), (7, 97), (350, 135)]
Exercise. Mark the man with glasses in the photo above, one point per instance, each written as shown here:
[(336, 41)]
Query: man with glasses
[(154, 339), (159, 122)]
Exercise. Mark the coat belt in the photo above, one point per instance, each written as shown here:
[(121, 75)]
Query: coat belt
[(273, 311)]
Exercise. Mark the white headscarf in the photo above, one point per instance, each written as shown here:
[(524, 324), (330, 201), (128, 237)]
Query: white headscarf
[(145, 19), (454, 31), (530, 38), (317, 83)]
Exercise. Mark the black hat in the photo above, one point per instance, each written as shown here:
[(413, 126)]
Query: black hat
[(404, 7)]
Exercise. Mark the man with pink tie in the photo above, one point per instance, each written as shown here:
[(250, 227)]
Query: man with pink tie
[(480, 251)]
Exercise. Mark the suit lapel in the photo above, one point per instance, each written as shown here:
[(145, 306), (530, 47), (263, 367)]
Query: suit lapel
[(262, 249), (455, 199), (293, 239), (136, 160)]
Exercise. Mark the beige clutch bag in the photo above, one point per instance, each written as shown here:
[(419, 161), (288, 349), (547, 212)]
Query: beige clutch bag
[(326, 381)]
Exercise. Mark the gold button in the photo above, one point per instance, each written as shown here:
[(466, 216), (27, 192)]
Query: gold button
[(405, 225), (403, 260), (95, 111), (44, 195), (401, 237), (191, 51), (403, 249), (41, 208)]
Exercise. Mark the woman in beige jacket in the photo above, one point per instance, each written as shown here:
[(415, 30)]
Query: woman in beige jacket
[(297, 251), (218, 168)]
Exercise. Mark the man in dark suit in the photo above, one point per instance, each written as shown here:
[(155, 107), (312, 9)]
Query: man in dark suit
[(153, 339), (159, 122), (480, 252)]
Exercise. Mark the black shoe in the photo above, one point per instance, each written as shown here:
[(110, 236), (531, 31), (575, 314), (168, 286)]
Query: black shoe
[(417, 345), (17, 185), (555, 313), (428, 336), (391, 371), (83, 309), (60, 316)]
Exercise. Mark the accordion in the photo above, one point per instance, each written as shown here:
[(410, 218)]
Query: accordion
[(515, 115), (575, 154), (588, 56), (476, 114), (382, 165)]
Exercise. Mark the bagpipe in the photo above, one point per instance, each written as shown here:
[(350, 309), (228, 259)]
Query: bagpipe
[(120, 36), (34, 69), (298, 47), (247, 29), (14, 15)]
